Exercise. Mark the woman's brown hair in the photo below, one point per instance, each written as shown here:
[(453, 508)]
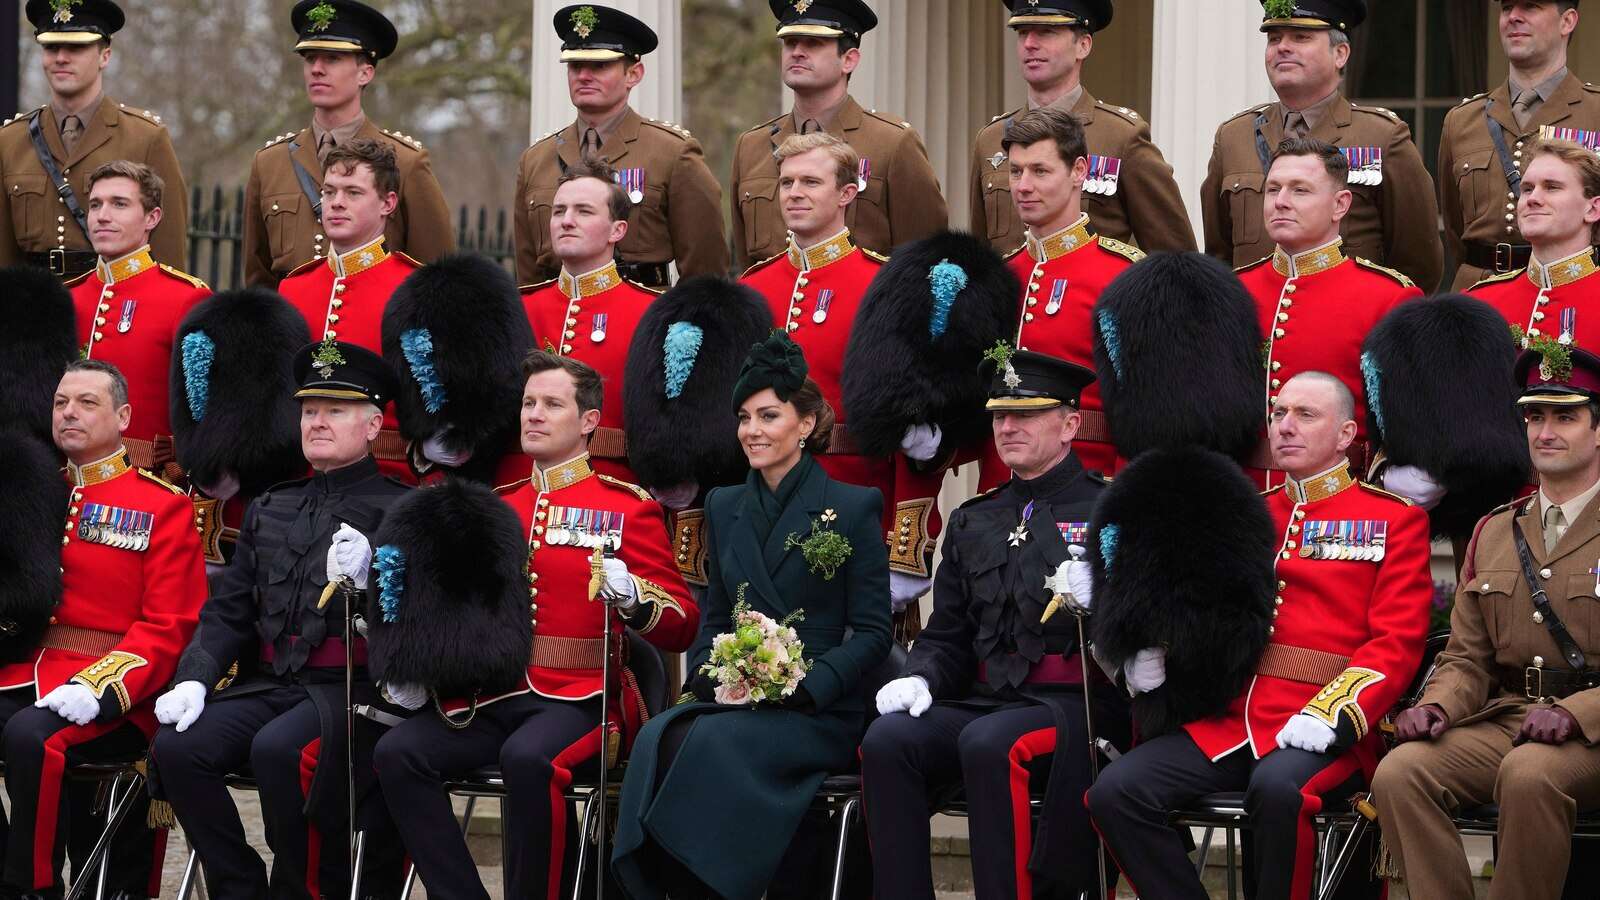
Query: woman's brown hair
[(808, 401)]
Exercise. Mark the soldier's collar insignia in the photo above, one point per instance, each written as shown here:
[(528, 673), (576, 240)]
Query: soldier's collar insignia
[(1322, 485), (327, 357), (584, 19), (1317, 259), (101, 470), (817, 256), (321, 16), (576, 287), (1070, 239), (63, 9), (135, 263), (359, 260), (564, 475), (1576, 267)]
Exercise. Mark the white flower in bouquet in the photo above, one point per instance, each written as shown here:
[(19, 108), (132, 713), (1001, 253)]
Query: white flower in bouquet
[(760, 660)]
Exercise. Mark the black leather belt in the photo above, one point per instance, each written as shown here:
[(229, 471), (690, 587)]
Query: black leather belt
[(1498, 257), (64, 263), (655, 275), (1543, 685)]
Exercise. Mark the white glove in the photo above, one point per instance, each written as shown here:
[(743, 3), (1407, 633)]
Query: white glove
[(349, 556), (909, 694), (1306, 732), (226, 485), (181, 705), (1080, 578), (406, 696), (905, 588), (619, 584), (73, 702), (921, 442), (1146, 671), (1414, 484), (676, 496), (442, 451)]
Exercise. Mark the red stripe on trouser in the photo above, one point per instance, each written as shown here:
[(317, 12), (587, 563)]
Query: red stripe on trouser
[(560, 777), (48, 811), (1305, 833), (1105, 846), (1023, 751), (308, 770)]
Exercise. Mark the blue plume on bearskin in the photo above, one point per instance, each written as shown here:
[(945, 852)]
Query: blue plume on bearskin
[(1178, 357), (682, 365), (453, 616), (1194, 548), (30, 556), (236, 357), (455, 332), (918, 341), (39, 339), (1441, 396)]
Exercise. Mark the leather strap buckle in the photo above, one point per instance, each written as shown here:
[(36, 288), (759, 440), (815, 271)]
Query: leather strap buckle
[(1504, 257), (58, 262), (1533, 684)]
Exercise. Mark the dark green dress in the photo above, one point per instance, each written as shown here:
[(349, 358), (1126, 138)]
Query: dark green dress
[(738, 786)]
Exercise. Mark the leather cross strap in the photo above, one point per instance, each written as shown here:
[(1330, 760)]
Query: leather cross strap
[(1541, 602), (57, 180), (1497, 133), (308, 185)]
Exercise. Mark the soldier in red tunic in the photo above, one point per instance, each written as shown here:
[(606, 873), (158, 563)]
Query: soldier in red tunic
[(1351, 611), (344, 296), (1062, 265), (129, 306), (814, 289), (586, 532), (589, 312), (1559, 213), (1316, 304), (132, 583)]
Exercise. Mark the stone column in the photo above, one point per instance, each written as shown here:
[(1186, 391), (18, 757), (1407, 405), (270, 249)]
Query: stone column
[(659, 96), (1207, 65)]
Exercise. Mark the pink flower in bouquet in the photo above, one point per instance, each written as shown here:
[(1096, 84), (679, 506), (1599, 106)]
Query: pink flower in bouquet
[(736, 694)]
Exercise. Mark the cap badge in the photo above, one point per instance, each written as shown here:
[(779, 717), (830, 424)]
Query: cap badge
[(63, 9), (321, 16), (584, 19), (1556, 357), (1000, 354), (326, 357), (800, 6)]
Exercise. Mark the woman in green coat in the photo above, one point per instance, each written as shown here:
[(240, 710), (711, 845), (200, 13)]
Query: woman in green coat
[(714, 792)]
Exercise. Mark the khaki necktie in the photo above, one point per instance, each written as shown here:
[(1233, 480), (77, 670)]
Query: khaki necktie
[(324, 147), (591, 143), (1523, 108), (809, 126), (1555, 525), (71, 131), (1295, 126)]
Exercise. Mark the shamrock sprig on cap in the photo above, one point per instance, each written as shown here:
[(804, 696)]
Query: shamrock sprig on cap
[(321, 16)]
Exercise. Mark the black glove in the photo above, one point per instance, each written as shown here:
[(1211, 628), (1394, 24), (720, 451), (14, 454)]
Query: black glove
[(799, 701), (704, 688)]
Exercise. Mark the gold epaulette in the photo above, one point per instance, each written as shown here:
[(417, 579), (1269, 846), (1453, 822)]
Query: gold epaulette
[(644, 287), (1374, 489), (1396, 274), (1498, 277), (306, 266), (1014, 251), (508, 488), (1248, 266), (747, 272), (185, 276), (869, 254), (161, 481), (629, 486), (536, 286), (1126, 251)]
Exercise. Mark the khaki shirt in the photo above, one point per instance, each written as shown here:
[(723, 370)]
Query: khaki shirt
[(1146, 210), (679, 218), (902, 201), (1394, 223), (34, 219), (1477, 203), (281, 232), (1493, 636)]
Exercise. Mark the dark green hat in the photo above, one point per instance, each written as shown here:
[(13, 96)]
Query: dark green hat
[(1090, 15), (823, 18), (593, 33), (1025, 380), (1314, 14), (776, 363), (343, 26), (73, 21), (337, 370)]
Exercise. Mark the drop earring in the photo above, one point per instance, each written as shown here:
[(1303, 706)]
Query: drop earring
[(802, 443)]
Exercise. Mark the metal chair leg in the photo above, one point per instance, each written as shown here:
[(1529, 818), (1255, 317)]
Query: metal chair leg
[(411, 870), (847, 816), (97, 865), (1205, 851), (1233, 881), (1343, 859), (360, 862), (191, 869), (591, 821)]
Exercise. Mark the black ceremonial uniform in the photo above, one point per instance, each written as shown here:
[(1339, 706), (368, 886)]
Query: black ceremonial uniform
[(280, 714), (1008, 700)]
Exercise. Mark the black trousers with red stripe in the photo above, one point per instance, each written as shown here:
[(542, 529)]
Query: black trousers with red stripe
[(39, 746), (276, 735), (1135, 796), (999, 756), (538, 743)]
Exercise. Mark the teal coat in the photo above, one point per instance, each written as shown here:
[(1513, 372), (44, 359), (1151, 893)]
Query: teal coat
[(743, 778)]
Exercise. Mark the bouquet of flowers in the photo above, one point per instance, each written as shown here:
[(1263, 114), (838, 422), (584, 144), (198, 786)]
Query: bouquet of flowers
[(760, 660)]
